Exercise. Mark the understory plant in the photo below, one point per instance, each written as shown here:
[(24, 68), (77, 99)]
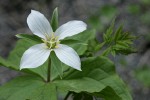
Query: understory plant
[(63, 62)]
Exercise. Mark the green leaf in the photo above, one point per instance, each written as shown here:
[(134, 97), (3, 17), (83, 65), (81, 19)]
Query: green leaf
[(56, 66), (3, 62), (28, 88), (109, 31), (32, 38), (106, 52), (81, 40), (79, 85), (99, 46), (54, 19), (124, 44), (105, 37), (118, 33), (70, 42), (127, 51), (108, 93), (118, 42), (108, 35), (46, 92), (98, 73)]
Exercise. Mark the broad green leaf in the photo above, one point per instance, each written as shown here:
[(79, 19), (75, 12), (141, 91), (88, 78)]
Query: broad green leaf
[(28, 88), (98, 73), (3, 62), (83, 38), (46, 92), (31, 37), (54, 19), (108, 93), (56, 66), (80, 84), (70, 42)]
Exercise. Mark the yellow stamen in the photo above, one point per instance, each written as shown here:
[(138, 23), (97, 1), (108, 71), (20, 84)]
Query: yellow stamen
[(56, 46), (51, 42)]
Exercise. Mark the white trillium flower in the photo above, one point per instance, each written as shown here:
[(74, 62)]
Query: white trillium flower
[(38, 54)]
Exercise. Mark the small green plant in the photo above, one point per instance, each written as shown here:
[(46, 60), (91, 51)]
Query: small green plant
[(62, 61)]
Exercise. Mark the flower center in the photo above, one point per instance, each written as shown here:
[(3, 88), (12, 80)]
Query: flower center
[(52, 42)]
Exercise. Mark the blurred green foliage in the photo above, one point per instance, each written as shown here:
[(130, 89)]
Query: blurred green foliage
[(102, 17), (143, 75), (145, 18), (145, 2), (134, 8)]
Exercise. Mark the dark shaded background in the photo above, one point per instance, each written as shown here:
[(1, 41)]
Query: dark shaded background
[(135, 14)]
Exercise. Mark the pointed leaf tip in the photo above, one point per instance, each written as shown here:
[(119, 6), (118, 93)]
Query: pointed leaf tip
[(54, 19)]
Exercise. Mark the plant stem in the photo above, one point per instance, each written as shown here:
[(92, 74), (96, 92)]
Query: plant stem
[(49, 70)]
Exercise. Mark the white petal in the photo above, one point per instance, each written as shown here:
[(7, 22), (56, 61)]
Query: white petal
[(68, 56), (70, 28), (34, 56), (38, 24)]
